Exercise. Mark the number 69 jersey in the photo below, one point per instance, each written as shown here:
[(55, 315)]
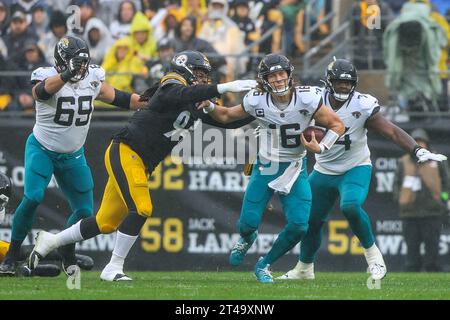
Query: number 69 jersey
[(281, 129), (62, 122), (351, 149)]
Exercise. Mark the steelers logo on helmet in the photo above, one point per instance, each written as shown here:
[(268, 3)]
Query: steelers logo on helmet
[(191, 65), (181, 60)]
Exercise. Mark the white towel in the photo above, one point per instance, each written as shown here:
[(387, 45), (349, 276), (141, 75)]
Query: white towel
[(284, 183)]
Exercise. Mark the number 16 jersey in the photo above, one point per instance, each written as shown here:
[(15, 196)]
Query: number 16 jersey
[(280, 131), (62, 122)]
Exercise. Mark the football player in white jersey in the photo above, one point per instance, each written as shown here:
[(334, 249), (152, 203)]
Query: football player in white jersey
[(283, 111), (64, 95), (345, 169)]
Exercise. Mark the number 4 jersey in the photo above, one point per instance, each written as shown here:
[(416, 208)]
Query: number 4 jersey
[(281, 129), (62, 122), (351, 149)]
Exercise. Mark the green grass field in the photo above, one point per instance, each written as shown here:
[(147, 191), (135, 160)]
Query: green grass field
[(230, 285)]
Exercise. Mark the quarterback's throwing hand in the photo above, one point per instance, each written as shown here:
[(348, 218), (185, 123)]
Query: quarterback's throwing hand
[(236, 86), (424, 155)]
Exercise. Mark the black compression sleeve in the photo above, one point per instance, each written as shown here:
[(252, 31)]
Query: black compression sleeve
[(121, 99), (190, 94), (40, 91)]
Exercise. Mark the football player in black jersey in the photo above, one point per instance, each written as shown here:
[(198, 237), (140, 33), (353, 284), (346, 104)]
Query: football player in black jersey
[(136, 151)]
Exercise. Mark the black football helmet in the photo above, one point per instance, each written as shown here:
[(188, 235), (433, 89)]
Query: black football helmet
[(67, 48), (340, 69), (272, 63), (5, 192), (185, 62)]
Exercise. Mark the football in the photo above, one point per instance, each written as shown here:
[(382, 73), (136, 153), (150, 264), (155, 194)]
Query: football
[(318, 132)]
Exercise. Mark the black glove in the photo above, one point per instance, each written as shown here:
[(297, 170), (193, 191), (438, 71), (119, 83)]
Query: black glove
[(149, 93), (73, 68)]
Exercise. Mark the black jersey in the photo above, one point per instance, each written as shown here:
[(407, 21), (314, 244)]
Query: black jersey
[(172, 107)]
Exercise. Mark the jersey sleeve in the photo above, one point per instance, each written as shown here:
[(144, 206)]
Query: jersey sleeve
[(251, 101), (98, 71), (368, 104), (42, 73), (311, 99)]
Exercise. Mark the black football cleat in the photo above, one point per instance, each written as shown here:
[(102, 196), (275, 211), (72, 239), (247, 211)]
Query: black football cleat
[(42, 270), (84, 262), (8, 268)]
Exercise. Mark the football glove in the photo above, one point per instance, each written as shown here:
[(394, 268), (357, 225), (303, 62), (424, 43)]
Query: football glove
[(424, 155), (236, 86), (73, 69)]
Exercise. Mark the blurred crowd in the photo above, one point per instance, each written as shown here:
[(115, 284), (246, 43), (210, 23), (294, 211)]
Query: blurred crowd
[(134, 40)]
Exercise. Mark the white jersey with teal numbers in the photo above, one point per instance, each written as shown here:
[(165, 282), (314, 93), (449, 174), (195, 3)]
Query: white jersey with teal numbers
[(62, 122), (351, 149), (281, 129)]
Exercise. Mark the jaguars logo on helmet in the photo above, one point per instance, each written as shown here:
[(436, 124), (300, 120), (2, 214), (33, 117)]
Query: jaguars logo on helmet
[(340, 69), (271, 63), (67, 48), (185, 62)]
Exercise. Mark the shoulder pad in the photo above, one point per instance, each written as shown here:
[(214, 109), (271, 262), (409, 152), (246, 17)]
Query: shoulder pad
[(366, 101), (310, 95), (173, 77), (97, 71), (43, 73), (252, 98)]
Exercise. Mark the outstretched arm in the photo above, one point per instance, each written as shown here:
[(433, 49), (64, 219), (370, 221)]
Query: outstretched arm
[(397, 135), (224, 114), (119, 98)]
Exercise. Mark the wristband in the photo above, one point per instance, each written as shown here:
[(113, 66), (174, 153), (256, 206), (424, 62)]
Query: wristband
[(209, 108)]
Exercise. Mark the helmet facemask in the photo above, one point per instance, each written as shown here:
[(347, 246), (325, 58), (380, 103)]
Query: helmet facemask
[(84, 71), (341, 97), (273, 90), (62, 60)]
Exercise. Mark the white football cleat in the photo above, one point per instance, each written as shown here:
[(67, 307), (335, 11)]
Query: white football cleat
[(301, 271), (45, 243), (377, 267), (377, 271), (114, 273)]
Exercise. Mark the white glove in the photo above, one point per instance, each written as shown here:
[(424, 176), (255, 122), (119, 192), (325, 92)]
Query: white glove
[(424, 155), (236, 86)]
